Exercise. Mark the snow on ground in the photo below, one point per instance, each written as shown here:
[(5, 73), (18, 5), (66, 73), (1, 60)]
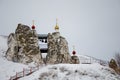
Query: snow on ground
[(73, 72), (3, 43), (7, 68), (3, 46)]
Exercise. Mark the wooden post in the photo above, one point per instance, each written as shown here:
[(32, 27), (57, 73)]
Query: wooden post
[(38, 66), (10, 78), (30, 70), (23, 72), (100, 62), (90, 60), (16, 75)]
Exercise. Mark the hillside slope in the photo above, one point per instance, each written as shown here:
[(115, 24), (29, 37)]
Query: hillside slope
[(73, 72), (7, 68)]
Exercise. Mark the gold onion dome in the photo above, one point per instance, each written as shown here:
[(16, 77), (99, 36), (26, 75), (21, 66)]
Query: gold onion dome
[(56, 27)]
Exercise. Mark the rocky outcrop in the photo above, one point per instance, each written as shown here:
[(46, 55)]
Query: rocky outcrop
[(57, 49), (75, 59), (11, 53), (23, 46), (114, 66)]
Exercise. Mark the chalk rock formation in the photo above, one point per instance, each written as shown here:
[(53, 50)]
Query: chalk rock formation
[(23, 46), (75, 59), (57, 49), (11, 53)]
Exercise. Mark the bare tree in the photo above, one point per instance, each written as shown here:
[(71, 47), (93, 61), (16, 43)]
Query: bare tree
[(117, 58)]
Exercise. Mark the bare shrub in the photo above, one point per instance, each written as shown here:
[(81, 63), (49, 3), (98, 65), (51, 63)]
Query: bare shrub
[(44, 75), (113, 64), (68, 73), (53, 68), (117, 58), (63, 69)]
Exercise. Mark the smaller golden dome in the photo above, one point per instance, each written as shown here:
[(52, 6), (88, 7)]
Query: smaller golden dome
[(56, 27)]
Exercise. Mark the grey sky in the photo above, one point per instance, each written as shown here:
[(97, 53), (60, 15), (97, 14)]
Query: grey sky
[(93, 26)]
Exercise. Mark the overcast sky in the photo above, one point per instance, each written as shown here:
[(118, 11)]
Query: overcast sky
[(93, 26)]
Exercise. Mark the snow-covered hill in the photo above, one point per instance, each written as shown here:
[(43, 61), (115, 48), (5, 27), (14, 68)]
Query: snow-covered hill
[(3, 44), (93, 71), (73, 72)]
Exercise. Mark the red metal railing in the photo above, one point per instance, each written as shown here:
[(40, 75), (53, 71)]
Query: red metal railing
[(25, 72)]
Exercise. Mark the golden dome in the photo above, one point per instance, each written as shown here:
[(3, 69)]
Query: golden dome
[(56, 27)]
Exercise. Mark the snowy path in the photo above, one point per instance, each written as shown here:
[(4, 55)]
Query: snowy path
[(25, 72)]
